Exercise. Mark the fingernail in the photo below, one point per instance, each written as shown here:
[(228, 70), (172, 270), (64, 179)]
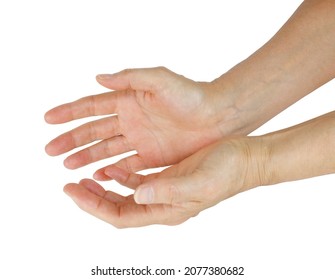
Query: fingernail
[(104, 76), (144, 195)]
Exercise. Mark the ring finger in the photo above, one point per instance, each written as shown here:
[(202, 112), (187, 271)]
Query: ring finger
[(107, 148)]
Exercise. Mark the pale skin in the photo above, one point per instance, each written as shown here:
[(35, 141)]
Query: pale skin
[(200, 128), (211, 175)]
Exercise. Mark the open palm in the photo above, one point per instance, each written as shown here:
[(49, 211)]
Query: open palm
[(164, 117), (177, 193)]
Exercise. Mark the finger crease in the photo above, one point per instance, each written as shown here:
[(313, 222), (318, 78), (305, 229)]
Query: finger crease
[(99, 205)]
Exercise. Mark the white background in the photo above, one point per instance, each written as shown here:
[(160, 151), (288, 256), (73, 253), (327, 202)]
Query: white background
[(50, 52)]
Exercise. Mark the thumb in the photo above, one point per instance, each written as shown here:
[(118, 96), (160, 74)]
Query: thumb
[(148, 79), (164, 191)]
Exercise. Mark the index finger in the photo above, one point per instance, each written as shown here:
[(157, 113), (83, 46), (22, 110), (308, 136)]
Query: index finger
[(144, 79), (93, 105)]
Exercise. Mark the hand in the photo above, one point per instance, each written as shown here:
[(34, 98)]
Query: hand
[(172, 196), (163, 116)]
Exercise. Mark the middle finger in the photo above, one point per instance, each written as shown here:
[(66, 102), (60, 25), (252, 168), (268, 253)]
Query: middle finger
[(84, 134)]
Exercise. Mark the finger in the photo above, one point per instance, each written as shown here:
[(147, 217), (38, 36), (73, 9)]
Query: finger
[(104, 149), (84, 134), (93, 204), (172, 191), (100, 175), (131, 164), (149, 79), (94, 105), (130, 180), (93, 187), (121, 215), (100, 191)]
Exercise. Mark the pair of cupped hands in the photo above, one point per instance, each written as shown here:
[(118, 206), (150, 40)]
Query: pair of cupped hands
[(169, 120)]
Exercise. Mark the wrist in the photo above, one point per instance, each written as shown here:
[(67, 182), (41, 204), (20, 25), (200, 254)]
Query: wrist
[(257, 154), (248, 159), (222, 98), (254, 96)]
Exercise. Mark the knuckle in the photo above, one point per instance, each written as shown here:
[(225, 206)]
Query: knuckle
[(174, 194), (127, 71), (162, 73), (161, 69), (92, 131), (128, 165), (92, 104)]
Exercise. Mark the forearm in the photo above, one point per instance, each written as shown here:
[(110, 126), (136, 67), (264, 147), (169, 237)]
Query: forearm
[(296, 61), (303, 151)]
